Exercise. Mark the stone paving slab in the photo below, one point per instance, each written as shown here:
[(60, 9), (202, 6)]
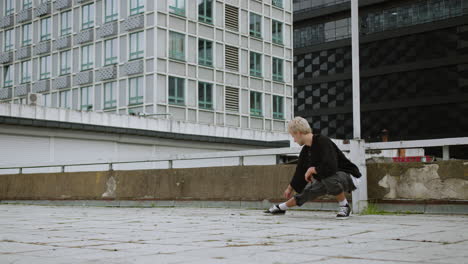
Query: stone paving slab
[(67, 234)]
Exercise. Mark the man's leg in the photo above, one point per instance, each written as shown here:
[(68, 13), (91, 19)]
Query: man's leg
[(337, 185)]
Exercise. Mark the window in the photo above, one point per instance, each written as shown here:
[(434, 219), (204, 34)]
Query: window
[(86, 101), (277, 32), (65, 23), (255, 64), (64, 99), (278, 3), (9, 42), (205, 52), (65, 62), (177, 7), (26, 35), (110, 11), (176, 90), (87, 55), (136, 45), (278, 112), (205, 95), (25, 71), (205, 11), (255, 25), (277, 69), (47, 101), (27, 4), (9, 7), (255, 103), (44, 67), (110, 95), (110, 51), (136, 7), (177, 46), (87, 16), (8, 75), (45, 29), (136, 90)]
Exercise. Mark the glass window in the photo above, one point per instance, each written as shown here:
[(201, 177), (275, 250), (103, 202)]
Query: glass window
[(177, 7), (87, 16), (277, 69), (205, 11), (277, 32), (87, 55), (136, 45), (25, 71), (26, 34), (255, 64), (205, 95), (277, 3), (27, 4), (65, 23), (205, 52), (64, 99), (255, 25), (110, 92), (45, 29), (8, 75), (278, 111), (86, 101), (177, 46), (136, 90), (9, 7), (9, 41), (137, 7), (255, 103), (110, 51), (44, 67), (110, 10), (65, 62), (176, 90), (47, 101)]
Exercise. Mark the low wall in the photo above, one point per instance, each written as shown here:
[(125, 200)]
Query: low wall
[(447, 180)]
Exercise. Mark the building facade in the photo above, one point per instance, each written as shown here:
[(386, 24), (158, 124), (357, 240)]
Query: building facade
[(224, 63), (414, 67)]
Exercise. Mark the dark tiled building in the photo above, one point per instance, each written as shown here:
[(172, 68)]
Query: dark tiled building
[(414, 67)]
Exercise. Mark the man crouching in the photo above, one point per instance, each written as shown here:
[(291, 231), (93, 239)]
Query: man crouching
[(322, 169)]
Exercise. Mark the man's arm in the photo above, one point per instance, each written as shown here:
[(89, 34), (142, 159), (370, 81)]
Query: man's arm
[(328, 163), (298, 182)]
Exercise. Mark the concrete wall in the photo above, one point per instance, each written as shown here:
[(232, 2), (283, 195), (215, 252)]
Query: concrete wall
[(392, 181)]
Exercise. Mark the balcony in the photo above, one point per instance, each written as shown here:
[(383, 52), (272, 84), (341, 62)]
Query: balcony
[(83, 78), (107, 30), (5, 93), (42, 9), (62, 43), (132, 67), (41, 86), (7, 21), (106, 73), (134, 22), (42, 47), (22, 89), (23, 53), (6, 57), (84, 36), (24, 15), (62, 4), (61, 82)]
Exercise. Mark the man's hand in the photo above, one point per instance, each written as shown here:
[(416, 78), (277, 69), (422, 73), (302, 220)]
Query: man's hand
[(288, 192), (309, 173)]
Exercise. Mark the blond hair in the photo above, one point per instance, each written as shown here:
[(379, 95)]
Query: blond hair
[(299, 124)]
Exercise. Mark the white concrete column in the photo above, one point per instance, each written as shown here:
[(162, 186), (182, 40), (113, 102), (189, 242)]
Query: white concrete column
[(358, 157), (445, 153), (356, 72)]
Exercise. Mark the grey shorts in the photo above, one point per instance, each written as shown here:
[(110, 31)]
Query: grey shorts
[(333, 185)]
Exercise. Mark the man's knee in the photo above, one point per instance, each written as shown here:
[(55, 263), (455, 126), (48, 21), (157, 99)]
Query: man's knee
[(334, 187)]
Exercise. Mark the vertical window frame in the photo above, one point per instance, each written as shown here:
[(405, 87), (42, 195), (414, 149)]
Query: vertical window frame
[(205, 55), (87, 16), (175, 39), (255, 25), (256, 109), (178, 93), (255, 61), (203, 8), (114, 12), (110, 88), (203, 101), (277, 69), (137, 99), (136, 51), (278, 107)]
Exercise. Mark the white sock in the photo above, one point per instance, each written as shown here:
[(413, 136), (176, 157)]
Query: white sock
[(343, 203), (283, 206)]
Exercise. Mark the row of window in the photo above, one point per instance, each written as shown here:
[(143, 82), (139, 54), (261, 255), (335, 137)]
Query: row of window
[(176, 97)]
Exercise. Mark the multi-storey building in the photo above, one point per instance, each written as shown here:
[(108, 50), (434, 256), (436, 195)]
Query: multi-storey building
[(226, 63)]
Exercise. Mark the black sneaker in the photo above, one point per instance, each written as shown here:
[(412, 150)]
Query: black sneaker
[(343, 212), (275, 210)]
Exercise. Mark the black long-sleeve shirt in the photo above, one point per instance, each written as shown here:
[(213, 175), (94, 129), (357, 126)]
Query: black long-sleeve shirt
[(327, 159)]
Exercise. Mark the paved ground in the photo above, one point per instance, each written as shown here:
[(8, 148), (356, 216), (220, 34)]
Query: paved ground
[(41, 234)]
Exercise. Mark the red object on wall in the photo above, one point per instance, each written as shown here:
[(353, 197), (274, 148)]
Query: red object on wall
[(414, 159)]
